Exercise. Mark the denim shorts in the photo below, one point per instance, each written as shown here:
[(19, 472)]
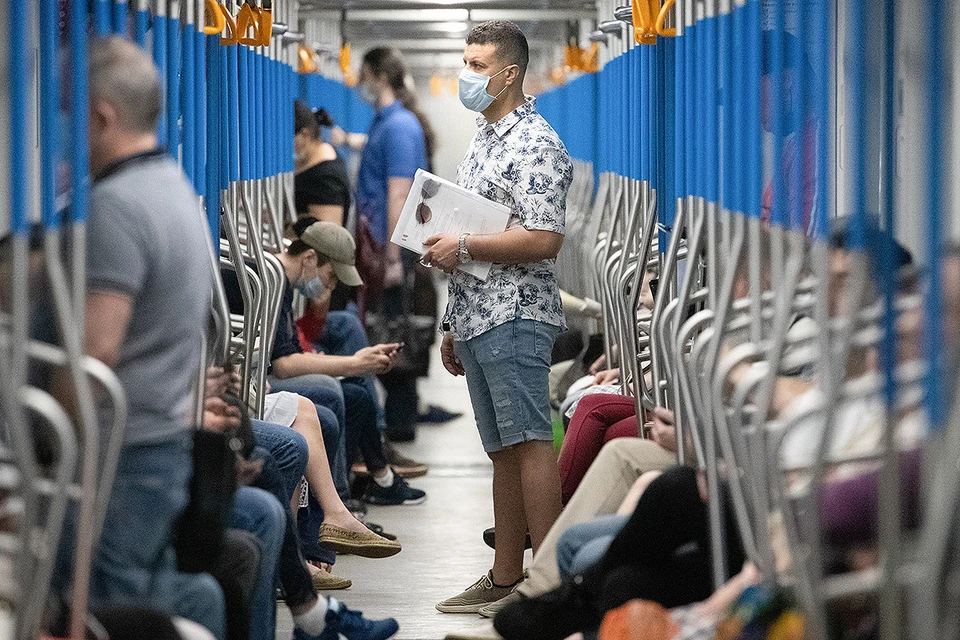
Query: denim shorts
[(508, 370)]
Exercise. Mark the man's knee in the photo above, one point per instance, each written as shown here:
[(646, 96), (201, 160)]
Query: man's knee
[(261, 514), (638, 454), (349, 324), (200, 599)]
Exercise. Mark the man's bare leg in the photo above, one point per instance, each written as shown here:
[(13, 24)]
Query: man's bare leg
[(540, 486), (509, 517)]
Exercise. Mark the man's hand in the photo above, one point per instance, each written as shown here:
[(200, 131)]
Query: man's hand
[(220, 381), (609, 376), (442, 252), (450, 361), (598, 365), (663, 431), (393, 275), (219, 416), (375, 359)]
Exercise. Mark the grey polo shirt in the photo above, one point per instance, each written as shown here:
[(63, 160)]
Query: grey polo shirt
[(145, 239)]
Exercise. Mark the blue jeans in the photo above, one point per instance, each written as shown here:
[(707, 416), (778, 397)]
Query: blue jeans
[(287, 447), (292, 572), (344, 335), (508, 369), (261, 514), (327, 396), (582, 545), (135, 562)]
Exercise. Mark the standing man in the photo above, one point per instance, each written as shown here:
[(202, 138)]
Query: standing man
[(399, 142), (499, 332)]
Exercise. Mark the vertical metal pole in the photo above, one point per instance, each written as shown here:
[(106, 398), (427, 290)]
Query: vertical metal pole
[(889, 504)]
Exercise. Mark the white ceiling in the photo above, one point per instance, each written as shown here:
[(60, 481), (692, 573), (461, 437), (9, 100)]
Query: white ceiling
[(431, 33)]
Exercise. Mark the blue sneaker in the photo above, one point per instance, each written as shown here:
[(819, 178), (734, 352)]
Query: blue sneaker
[(347, 624), (397, 493), (350, 624)]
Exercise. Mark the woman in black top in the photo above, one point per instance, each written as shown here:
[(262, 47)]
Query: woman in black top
[(321, 187)]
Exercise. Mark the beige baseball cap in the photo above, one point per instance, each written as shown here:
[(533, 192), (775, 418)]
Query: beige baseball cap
[(335, 244)]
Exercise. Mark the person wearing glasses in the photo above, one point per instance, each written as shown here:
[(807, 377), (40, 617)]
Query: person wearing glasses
[(499, 332)]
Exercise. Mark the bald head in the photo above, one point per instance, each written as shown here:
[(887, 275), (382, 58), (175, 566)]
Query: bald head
[(123, 76)]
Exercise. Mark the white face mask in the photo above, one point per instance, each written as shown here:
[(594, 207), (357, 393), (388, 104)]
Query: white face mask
[(473, 89), (364, 93)]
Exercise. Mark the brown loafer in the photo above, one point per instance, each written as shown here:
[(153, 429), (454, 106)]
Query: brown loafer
[(326, 581), (365, 544)]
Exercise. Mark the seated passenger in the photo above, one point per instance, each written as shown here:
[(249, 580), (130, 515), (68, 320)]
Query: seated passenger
[(625, 570), (262, 509), (148, 300), (323, 254)]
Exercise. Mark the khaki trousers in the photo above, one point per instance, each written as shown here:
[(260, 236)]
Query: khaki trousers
[(602, 490)]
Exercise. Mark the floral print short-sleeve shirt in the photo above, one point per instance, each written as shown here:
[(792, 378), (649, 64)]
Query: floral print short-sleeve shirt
[(518, 161)]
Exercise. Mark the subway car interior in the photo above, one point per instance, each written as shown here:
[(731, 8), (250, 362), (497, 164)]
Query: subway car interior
[(480, 320)]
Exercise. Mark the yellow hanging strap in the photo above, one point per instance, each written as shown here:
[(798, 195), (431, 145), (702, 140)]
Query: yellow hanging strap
[(247, 22), (345, 57), (230, 28), (662, 19), (212, 12), (265, 23), (307, 62), (590, 58), (644, 21)]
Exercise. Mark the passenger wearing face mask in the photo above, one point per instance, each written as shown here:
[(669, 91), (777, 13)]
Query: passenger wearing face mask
[(400, 141), (322, 255), (499, 332)]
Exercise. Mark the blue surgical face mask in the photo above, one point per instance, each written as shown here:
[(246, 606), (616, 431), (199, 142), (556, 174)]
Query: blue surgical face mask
[(473, 89), (311, 288)]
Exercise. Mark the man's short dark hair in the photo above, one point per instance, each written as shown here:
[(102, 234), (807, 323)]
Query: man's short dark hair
[(506, 37)]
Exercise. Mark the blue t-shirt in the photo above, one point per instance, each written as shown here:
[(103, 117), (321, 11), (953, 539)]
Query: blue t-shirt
[(395, 149)]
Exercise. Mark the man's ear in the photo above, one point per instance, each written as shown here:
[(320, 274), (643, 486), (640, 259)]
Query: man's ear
[(512, 73), (103, 114)]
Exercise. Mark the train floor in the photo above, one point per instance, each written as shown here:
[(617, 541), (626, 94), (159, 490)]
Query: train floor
[(443, 551)]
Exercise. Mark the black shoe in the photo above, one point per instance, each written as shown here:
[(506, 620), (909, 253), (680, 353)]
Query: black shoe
[(490, 539), (396, 435), (377, 529), (437, 415), (551, 616), (356, 507), (396, 494)]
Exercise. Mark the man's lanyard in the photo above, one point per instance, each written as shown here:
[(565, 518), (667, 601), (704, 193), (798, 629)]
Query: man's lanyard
[(120, 164)]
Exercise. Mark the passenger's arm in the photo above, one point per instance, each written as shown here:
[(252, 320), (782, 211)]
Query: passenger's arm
[(106, 318), (539, 192), (327, 213), (397, 191), (515, 246), (376, 359)]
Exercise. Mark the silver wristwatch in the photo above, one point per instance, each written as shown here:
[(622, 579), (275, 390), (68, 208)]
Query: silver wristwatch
[(463, 254)]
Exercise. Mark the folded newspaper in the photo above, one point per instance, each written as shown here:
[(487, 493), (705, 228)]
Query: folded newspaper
[(437, 206)]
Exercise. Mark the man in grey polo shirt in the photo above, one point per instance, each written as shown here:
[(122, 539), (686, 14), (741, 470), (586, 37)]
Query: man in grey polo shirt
[(148, 303)]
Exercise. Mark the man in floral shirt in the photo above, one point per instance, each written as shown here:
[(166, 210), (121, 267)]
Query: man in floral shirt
[(499, 332)]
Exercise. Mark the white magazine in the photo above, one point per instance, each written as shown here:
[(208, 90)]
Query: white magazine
[(448, 209)]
